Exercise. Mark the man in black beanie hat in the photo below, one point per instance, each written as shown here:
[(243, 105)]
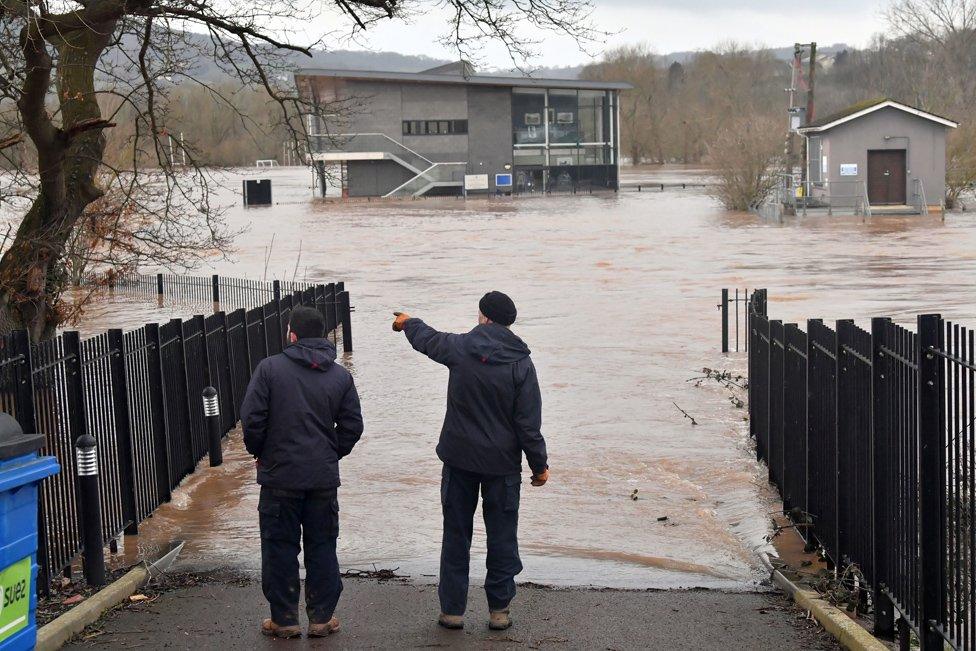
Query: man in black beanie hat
[(494, 415)]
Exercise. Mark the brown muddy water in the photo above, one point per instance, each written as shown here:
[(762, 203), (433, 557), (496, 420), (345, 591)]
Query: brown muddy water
[(617, 299)]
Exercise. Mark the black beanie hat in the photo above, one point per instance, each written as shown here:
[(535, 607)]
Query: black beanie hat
[(498, 307)]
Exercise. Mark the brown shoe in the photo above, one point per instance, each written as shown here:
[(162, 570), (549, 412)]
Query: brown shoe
[(453, 622), (271, 629), (498, 620), (323, 630)]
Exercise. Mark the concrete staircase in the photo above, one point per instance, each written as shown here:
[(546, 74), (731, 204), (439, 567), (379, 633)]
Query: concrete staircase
[(902, 209), (427, 174)]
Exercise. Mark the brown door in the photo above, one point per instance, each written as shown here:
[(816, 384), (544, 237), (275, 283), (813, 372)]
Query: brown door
[(886, 177)]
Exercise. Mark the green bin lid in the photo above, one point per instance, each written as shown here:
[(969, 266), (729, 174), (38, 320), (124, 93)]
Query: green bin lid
[(13, 441)]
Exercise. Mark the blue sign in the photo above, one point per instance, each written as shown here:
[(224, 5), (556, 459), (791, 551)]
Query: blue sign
[(503, 180)]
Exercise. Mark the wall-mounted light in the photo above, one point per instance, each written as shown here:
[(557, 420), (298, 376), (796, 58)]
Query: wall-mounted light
[(508, 166)]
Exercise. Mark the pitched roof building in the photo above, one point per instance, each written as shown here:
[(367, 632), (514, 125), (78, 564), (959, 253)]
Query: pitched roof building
[(889, 155)]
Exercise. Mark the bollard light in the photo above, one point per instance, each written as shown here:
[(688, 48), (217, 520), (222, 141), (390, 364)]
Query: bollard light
[(211, 405), (89, 509), (211, 412), (86, 456)]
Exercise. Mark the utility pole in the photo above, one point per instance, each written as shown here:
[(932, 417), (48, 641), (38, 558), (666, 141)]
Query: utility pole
[(790, 151), (811, 79)]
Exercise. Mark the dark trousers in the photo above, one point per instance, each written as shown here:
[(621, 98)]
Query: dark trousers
[(500, 502), (286, 517)]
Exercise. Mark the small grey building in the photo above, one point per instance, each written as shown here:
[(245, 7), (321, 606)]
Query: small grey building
[(448, 130), (888, 154)]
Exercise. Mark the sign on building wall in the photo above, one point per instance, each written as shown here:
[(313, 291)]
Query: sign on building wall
[(848, 169), (475, 182), (503, 180)]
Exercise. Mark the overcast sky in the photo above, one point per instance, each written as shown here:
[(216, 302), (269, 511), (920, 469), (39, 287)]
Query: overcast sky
[(668, 26)]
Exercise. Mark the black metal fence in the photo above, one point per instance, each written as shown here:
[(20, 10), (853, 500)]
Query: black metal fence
[(227, 293), (139, 394), (869, 437)]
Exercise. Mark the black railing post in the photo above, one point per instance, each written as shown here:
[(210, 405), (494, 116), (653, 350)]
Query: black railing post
[(337, 306), (736, 319), (264, 337), (75, 402), (154, 373), (227, 372), (211, 411), (884, 612), (188, 462), (24, 391), (774, 451), (123, 429), (215, 291), (89, 510), (329, 308), (844, 461), (748, 318), (724, 307), (931, 479), (346, 311), (24, 407), (279, 327), (159, 289), (904, 635)]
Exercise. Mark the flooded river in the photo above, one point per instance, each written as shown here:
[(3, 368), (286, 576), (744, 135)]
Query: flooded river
[(617, 299)]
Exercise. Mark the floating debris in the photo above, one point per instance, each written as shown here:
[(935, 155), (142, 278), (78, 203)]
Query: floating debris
[(687, 415)]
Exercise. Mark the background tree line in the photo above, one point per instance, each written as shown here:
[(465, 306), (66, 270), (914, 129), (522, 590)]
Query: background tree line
[(218, 137)]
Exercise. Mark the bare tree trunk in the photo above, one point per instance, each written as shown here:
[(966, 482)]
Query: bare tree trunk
[(68, 158)]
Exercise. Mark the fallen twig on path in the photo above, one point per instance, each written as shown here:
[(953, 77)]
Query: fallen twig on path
[(381, 574)]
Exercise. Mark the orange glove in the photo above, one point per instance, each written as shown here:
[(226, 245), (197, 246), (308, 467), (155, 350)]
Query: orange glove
[(541, 478), (401, 319)]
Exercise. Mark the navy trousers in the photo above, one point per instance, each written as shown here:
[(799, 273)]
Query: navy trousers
[(286, 517), (500, 503)]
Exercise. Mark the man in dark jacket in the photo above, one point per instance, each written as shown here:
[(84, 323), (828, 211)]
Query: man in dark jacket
[(300, 416), (494, 415)]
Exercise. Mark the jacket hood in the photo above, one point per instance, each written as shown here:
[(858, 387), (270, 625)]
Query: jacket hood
[(495, 344), (318, 353)]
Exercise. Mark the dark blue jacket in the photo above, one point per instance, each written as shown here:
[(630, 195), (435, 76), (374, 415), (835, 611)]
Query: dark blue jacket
[(494, 407), (300, 416)]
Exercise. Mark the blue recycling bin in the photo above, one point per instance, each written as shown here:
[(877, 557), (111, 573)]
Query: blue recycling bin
[(21, 471)]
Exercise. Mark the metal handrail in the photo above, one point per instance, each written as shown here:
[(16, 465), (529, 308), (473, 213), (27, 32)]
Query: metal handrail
[(921, 204), (425, 175)]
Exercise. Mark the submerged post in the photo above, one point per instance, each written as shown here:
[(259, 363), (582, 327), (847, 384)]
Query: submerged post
[(724, 307), (89, 512), (346, 312), (211, 411), (215, 290)]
